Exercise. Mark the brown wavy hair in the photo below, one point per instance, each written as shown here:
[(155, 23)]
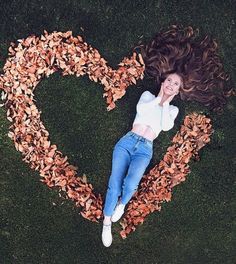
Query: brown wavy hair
[(178, 50)]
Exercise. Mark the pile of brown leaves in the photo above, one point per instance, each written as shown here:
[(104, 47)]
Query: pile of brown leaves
[(31, 60), (156, 186)]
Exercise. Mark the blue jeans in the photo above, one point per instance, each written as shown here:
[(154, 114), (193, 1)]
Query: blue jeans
[(131, 156)]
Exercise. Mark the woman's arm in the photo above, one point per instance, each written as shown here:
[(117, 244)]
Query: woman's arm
[(169, 113), (145, 104)]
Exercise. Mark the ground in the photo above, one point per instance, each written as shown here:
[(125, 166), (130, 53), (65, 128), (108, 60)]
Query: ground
[(38, 226)]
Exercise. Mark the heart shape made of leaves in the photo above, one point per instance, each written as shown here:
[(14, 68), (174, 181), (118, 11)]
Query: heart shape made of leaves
[(36, 57)]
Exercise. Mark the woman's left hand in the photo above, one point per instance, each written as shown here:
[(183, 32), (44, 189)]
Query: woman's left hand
[(169, 99)]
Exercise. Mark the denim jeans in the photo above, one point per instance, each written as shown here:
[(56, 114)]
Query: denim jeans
[(131, 156)]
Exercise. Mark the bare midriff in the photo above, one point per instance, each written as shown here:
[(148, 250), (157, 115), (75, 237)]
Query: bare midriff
[(144, 131)]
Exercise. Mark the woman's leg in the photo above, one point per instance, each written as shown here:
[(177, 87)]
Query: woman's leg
[(120, 163), (139, 162), (141, 155)]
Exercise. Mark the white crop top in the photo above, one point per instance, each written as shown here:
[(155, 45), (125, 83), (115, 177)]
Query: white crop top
[(150, 113)]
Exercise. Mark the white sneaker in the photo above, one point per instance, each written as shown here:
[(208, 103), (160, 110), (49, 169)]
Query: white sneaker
[(118, 212), (106, 235)]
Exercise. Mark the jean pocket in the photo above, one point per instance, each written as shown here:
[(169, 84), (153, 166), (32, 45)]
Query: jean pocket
[(122, 139), (149, 144), (148, 148)]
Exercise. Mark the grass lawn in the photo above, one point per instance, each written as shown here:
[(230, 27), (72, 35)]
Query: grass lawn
[(38, 226)]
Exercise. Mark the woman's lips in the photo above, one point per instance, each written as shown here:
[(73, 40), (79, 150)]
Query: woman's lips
[(169, 88)]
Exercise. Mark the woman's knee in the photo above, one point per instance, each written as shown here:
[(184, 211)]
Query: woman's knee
[(130, 187), (114, 190)]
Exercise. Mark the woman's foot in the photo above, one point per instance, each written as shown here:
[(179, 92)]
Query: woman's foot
[(106, 235), (118, 212), (106, 231)]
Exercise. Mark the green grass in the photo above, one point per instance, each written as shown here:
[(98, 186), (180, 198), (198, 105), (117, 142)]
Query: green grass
[(38, 226)]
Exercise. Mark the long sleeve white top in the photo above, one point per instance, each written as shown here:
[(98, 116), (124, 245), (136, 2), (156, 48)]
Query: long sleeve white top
[(150, 113)]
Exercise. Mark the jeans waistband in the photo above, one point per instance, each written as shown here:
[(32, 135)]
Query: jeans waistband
[(141, 138)]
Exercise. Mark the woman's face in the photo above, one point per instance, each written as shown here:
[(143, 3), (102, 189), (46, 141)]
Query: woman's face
[(172, 84)]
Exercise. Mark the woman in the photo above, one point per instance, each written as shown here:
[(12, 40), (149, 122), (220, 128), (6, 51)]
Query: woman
[(181, 65)]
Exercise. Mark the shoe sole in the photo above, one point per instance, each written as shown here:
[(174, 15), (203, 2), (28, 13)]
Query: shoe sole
[(108, 245)]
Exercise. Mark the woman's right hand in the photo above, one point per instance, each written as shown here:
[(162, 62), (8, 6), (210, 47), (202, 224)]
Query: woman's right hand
[(161, 92)]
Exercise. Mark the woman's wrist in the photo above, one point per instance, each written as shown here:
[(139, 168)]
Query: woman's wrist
[(166, 103), (158, 99)]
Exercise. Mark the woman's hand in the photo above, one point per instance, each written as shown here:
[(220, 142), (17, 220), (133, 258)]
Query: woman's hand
[(163, 95), (169, 99), (161, 92)]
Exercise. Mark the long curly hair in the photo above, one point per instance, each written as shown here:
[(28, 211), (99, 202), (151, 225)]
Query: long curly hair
[(178, 50)]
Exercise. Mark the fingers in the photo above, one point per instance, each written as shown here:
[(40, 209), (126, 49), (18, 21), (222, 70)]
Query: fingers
[(171, 97), (162, 87), (161, 93), (162, 90)]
